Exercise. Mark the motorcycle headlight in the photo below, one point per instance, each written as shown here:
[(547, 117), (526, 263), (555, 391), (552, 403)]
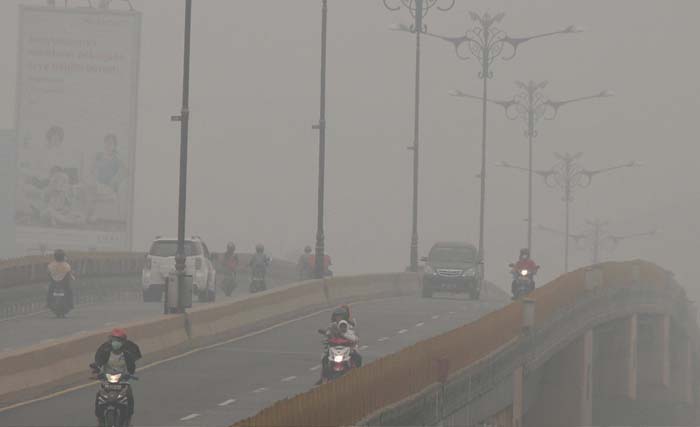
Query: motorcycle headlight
[(524, 272), (113, 379), (338, 358)]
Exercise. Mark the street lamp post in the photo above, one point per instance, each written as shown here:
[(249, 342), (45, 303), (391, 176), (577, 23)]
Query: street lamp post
[(531, 105), (566, 175), (418, 10), (486, 42), (184, 119), (598, 235), (321, 127)]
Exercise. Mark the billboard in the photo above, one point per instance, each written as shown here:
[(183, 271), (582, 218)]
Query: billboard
[(76, 128), (8, 160)]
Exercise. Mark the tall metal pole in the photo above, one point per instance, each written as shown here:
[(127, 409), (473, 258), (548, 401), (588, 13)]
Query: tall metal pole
[(530, 136), (320, 237), (416, 126), (485, 77), (184, 126), (567, 202)]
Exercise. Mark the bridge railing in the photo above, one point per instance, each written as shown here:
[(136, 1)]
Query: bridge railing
[(402, 375)]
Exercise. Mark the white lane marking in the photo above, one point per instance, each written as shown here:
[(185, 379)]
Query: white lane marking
[(418, 325), (451, 312), (403, 331), (189, 417), (383, 339), (227, 402), (260, 390), (315, 368), (48, 340), (364, 347), (436, 317), (110, 323), (286, 380)]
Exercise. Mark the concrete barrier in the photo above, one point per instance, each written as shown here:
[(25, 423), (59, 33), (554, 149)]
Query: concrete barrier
[(29, 371)]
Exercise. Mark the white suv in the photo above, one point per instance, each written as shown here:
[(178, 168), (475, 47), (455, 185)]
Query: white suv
[(160, 262)]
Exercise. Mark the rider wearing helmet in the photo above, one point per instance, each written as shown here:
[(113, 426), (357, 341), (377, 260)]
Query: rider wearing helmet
[(525, 263), (259, 258), (230, 258), (305, 264), (119, 354), (60, 273)]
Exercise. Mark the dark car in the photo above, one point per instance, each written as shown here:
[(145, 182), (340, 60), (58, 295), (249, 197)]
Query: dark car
[(452, 267)]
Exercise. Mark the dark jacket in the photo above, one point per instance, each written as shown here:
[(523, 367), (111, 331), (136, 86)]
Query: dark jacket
[(132, 353)]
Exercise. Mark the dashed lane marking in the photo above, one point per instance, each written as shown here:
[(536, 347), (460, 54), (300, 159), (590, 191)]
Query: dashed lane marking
[(260, 390), (436, 317), (315, 368), (403, 331), (189, 417), (383, 339), (288, 379), (418, 325), (227, 402)]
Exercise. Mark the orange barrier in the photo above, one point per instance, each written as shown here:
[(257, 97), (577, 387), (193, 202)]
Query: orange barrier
[(396, 377)]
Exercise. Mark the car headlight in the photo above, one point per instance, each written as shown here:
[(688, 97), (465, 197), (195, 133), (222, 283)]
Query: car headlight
[(429, 270), (469, 272)]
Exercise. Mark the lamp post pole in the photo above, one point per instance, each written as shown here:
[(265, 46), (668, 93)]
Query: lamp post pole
[(486, 42), (418, 10), (183, 118), (531, 105), (566, 175), (321, 127)]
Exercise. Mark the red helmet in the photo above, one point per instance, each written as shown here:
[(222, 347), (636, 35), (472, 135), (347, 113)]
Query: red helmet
[(118, 333)]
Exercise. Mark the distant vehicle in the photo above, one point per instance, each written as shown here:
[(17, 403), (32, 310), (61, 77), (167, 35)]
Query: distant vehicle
[(523, 282), (59, 302), (452, 267), (160, 262)]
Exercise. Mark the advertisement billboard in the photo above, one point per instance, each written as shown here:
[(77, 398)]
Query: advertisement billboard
[(8, 160), (76, 128)]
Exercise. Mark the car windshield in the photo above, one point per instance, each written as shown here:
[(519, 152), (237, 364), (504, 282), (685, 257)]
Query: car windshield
[(461, 255), (168, 248)]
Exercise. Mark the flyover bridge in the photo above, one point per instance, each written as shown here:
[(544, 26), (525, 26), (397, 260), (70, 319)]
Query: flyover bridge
[(613, 344)]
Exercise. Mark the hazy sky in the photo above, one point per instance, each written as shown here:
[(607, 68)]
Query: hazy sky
[(254, 97)]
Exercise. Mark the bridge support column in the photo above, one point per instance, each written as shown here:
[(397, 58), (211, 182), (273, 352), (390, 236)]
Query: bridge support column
[(615, 360), (565, 397), (653, 373)]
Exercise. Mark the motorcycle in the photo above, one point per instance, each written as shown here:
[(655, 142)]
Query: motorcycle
[(523, 283), (59, 304), (257, 280), (338, 360), (112, 399), (230, 283)]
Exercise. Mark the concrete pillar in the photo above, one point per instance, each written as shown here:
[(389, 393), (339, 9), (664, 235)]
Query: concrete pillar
[(688, 368), (518, 397), (632, 357), (615, 361), (653, 357), (565, 397)]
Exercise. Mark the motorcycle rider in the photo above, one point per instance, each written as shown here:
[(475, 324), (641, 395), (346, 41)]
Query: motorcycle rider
[(119, 354), (342, 313), (524, 263), (341, 327), (60, 273), (259, 258), (305, 264), (230, 261)]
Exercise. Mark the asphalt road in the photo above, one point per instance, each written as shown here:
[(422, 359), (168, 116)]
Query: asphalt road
[(220, 385), (44, 327)]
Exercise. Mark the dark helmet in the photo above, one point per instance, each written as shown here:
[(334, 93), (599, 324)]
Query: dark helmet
[(340, 313), (59, 255), (307, 250), (230, 247), (524, 252), (259, 248), (343, 326)]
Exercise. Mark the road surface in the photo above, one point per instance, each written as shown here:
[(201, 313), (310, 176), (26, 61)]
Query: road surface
[(219, 385)]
